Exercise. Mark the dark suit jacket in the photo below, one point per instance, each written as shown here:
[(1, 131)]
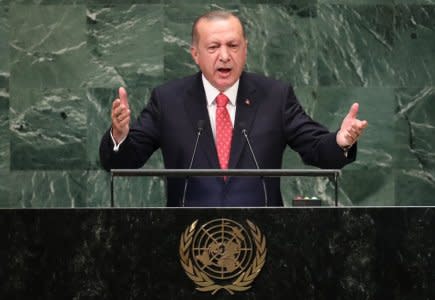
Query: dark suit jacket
[(273, 119)]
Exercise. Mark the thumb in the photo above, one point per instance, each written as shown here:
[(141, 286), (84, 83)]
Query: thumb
[(123, 96), (353, 111)]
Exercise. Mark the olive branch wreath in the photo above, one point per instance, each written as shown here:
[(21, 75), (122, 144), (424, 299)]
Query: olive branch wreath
[(205, 283)]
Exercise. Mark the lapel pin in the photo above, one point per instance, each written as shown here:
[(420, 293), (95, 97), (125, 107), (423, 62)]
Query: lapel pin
[(247, 102)]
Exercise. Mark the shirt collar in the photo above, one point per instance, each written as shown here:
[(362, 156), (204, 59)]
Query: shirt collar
[(211, 92)]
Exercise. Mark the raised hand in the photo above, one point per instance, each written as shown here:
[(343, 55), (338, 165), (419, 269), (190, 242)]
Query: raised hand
[(120, 116), (351, 128)]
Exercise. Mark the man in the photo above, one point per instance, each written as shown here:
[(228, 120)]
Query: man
[(225, 101)]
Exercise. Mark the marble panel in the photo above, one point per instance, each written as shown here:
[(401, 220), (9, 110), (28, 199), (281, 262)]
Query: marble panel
[(35, 189), (213, 4), (414, 187), (4, 89), (415, 152), (4, 49), (368, 185), (117, 2), (97, 189), (355, 45), (219, 3), (139, 192), (126, 43), (48, 46), (414, 1), (48, 129), (4, 189), (414, 45), (4, 131), (415, 128), (44, 2), (375, 2), (281, 42)]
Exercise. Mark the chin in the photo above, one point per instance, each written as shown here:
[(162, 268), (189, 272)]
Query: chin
[(225, 84)]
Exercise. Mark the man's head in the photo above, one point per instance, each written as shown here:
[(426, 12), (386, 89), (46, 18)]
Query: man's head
[(219, 47)]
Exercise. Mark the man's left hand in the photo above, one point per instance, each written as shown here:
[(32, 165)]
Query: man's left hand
[(351, 128)]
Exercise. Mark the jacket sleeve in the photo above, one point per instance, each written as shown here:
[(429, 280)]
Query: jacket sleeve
[(315, 144), (142, 140)]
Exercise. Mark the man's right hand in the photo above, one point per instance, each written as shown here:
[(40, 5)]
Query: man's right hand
[(120, 116)]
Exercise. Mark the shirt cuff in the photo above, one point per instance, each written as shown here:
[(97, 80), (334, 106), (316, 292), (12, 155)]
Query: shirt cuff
[(115, 144), (346, 150)]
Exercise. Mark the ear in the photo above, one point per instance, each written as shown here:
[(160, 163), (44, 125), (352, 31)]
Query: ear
[(194, 53)]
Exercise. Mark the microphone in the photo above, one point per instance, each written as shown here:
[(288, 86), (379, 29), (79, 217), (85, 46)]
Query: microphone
[(200, 127), (245, 134)]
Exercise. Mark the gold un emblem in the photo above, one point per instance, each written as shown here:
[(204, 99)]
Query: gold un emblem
[(222, 254)]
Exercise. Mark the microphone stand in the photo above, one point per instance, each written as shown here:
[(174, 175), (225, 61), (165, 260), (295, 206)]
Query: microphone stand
[(186, 180), (256, 164)]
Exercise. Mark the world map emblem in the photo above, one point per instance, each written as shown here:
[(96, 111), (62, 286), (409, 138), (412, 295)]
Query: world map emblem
[(222, 255)]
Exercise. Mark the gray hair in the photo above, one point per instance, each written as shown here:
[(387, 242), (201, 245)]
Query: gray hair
[(214, 15)]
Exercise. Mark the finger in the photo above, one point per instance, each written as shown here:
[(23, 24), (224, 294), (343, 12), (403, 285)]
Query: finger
[(364, 124), (119, 109), (124, 122), (352, 136), (354, 131), (116, 103), (123, 96), (123, 115), (115, 109), (115, 114), (359, 126), (353, 111)]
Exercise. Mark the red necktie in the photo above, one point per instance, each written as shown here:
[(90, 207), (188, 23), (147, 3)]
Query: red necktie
[(224, 131)]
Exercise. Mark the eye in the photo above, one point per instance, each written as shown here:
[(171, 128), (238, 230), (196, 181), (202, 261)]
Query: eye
[(212, 47)]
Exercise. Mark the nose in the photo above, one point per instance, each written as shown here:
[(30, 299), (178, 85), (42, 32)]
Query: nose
[(224, 55)]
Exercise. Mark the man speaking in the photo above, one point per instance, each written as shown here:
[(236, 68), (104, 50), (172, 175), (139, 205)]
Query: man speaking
[(223, 107)]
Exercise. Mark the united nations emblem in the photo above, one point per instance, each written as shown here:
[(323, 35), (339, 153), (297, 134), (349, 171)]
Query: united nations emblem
[(222, 254)]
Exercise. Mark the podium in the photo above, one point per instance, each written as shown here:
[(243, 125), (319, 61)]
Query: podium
[(311, 253)]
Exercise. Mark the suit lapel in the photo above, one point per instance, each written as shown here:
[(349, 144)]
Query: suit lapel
[(247, 105), (196, 108)]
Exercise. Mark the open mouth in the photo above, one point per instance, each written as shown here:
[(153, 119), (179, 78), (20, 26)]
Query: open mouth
[(224, 71)]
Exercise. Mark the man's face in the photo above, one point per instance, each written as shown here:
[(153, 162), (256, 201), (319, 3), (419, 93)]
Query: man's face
[(220, 51)]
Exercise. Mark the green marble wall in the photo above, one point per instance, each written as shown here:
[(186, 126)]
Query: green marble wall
[(61, 62)]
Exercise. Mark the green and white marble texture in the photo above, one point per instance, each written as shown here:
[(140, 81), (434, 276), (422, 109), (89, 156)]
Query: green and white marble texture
[(48, 129), (61, 63)]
